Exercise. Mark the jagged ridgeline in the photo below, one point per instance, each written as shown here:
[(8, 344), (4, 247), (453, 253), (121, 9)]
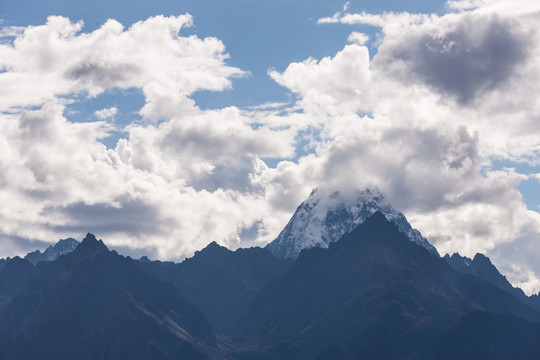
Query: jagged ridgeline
[(348, 278)]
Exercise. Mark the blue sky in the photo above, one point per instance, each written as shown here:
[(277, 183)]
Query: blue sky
[(161, 131)]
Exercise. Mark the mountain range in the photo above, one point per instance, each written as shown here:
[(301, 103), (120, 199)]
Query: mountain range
[(377, 291)]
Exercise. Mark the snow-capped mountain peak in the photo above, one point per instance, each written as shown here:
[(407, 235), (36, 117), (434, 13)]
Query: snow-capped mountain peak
[(53, 252), (326, 216)]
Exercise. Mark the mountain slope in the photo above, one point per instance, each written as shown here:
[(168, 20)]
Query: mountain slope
[(482, 267), (324, 218), (373, 294), (95, 304), (3, 262), (13, 276), (221, 282), (484, 335)]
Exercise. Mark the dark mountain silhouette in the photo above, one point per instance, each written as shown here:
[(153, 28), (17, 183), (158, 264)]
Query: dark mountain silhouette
[(372, 294), (15, 274), (221, 282), (460, 263), (534, 301), (53, 252), (96, 304), (482, 267)]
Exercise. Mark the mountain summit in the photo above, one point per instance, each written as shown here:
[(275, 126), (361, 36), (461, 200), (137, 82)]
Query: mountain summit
[(53, 252), (324, 217)]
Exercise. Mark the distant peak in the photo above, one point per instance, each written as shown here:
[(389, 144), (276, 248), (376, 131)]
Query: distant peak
[(17, 259), (68, 241), (53, 252), (481, 257), (457, 256), (327, 214), (214, 246), (213, 249), (90, 237), (91, 245)]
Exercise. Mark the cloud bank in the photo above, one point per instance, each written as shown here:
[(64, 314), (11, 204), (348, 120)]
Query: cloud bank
[(422, 119)]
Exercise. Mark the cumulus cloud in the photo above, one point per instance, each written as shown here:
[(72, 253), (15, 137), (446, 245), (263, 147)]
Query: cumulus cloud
[(423, 133), (187, 147), (330, 85), (171, 186), (56, 59), (462, 57)]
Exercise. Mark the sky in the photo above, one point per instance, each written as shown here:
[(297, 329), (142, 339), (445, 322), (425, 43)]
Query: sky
[(162, 126)]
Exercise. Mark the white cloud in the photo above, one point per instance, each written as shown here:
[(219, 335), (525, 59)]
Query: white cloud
[(191, 147), (331, 85), (358, 38), (387, 20), (107, 113), (166, 187), (183, 177), (517, 7), (173, 186), (56, 59)]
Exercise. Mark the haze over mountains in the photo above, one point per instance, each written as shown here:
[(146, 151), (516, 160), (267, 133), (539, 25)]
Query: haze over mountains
[(350, 280)]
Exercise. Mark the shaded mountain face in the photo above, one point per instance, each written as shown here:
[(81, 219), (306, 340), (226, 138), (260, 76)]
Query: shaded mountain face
[(372, 294), (482, 267), (53, 252), (460, 263), (13, 276), (485, 335), (221, 282), (325, 218), (96, 304)]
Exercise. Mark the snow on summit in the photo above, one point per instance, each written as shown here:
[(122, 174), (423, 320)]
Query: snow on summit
[(326, 216)]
